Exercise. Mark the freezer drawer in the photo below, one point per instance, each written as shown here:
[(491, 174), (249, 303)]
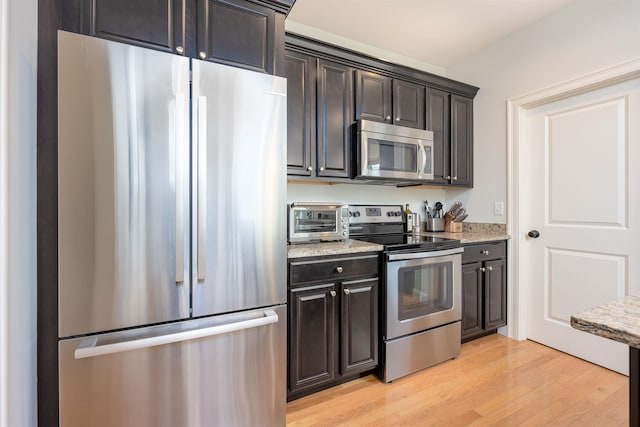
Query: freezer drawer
[(140, 378)]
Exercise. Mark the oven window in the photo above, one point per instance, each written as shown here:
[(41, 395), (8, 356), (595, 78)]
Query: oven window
[(391, 156), (425, 290), (315, 221)]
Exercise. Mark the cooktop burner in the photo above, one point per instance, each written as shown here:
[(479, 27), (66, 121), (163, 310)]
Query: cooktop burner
[(384, 225), (404, 242)]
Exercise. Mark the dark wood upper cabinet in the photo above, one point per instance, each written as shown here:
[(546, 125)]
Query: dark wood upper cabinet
[(383, 99), (156, 24), (450, 117), (373, 97), (300, 70), (462, 141), (240, 33), (334, 119), (438, 122), (408, 104)]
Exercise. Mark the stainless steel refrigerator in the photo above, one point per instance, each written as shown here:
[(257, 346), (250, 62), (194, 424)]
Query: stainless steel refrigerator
[(172, 239)]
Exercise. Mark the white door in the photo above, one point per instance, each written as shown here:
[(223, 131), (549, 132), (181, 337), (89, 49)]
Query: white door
[(580, 175)]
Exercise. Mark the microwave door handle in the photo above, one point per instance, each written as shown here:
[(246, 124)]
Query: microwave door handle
[(202, 188), (423, 154)]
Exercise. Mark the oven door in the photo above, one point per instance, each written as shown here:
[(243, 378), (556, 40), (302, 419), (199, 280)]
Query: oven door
[(423, 291)]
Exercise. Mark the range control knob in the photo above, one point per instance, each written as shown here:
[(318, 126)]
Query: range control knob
[(389, 213), (398, 213), (356, 214)]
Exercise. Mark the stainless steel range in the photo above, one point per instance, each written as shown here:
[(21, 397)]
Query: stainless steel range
[(422, 291)]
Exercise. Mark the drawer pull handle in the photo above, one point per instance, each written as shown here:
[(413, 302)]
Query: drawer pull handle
[(490, 268), (485, 252), (339, 269)]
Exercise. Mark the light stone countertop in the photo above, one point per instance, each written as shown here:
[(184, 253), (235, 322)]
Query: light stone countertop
[(618, 320), (470, 237), (353, 246), (331, 248)]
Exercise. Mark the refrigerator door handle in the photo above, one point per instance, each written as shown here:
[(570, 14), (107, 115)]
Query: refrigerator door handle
[(179, 177), (202, 187), (89, 347)]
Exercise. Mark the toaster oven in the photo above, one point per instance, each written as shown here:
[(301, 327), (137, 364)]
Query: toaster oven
[(318, 222)]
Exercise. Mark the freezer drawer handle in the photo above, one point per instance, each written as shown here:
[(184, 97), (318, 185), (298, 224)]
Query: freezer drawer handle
[(89, 347)]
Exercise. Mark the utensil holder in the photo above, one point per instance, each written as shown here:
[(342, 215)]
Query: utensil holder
[(435, 224)]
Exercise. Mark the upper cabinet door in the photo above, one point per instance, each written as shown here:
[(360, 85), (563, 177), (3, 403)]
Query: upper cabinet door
[(301, 113), (438, 122), (335, 119), (408, 104), (242, 34), (462, 140), (373, 97), (156, 24)]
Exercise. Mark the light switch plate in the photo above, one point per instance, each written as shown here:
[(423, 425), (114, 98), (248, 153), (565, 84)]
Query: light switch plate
[(498, 208)]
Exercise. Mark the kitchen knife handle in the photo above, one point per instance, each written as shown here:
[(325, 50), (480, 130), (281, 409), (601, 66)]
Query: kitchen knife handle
[(90, 347), (202, 188), (180, 172)]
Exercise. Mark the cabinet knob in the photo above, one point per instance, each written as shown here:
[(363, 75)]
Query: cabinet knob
[(490, 268), (534, 234), (321, 168), (179, 50), (310, 168), (347, 291), (484, 252), (203, 55), (388, 118), (333, 293), (483, 269), (339, 269), (397, 119), (448, 177), (455, 178)]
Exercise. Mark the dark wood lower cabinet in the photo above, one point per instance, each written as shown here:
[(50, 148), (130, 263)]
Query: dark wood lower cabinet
[(333, 322), (359, 326), (484, 289), (311, 335)]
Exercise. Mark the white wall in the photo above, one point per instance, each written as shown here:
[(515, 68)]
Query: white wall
[(583, 37), (18, 50)]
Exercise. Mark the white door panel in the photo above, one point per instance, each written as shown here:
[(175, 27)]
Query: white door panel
[(580, 187)]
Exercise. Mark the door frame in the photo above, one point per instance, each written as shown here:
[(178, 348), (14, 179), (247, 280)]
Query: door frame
[(4, 211), (517, 108)]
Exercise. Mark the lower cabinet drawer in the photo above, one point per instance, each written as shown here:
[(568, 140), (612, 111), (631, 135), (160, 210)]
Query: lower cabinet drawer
[(334, 269), (484, 251)]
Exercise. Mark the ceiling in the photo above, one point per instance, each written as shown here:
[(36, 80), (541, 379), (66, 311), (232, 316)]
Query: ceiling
[(437, 32)]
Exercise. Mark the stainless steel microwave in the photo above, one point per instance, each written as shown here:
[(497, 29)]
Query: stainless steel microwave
[(392, 152), (318, 222)]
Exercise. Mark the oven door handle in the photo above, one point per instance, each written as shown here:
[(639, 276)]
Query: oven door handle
[(419, 255)]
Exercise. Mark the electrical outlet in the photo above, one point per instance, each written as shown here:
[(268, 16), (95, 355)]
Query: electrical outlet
[(498, 208)]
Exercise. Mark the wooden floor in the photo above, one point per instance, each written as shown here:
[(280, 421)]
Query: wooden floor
[(494, 381)]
